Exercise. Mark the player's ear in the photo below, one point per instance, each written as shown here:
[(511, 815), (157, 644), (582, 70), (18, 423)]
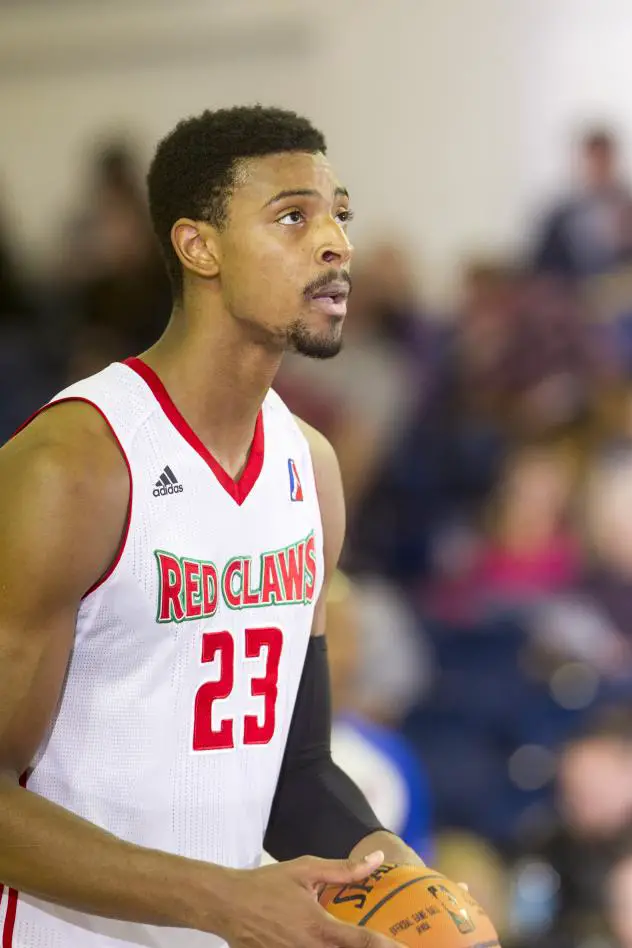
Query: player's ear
[(196, 246)]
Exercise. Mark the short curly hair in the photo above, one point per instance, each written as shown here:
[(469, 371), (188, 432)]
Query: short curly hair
[(193, 171)]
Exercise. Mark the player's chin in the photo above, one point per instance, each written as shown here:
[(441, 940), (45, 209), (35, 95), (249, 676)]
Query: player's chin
[(316, 342)]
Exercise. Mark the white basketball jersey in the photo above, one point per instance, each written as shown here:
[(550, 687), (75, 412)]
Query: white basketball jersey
[(187, 657)]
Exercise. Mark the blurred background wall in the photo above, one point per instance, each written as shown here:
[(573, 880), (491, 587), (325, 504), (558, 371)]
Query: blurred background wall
[(434, 91), (460, 105)]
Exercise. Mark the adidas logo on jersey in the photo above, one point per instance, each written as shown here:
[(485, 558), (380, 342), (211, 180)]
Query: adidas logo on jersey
[(167, 484)]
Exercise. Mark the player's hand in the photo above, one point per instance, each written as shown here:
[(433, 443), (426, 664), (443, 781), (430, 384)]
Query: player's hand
[(277, 906)]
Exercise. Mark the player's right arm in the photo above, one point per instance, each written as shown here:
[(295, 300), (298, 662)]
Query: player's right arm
[(64, 493)]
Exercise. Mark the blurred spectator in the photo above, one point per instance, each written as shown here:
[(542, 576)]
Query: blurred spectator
[(595, 807), (15, 304), (446, 455), (481, 361), (609, 524), (94, 345), (595, 777), (531, 548), (523, 357), (559, 360), (394, 663), (590, 231), (608, 301), (594, 624), (109, 232), (110, 267), (23, 375), (618, 894), (376, 757), (520, 362), (528, 549)]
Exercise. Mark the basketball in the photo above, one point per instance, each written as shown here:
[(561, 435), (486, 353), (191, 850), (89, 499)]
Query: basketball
[(414, 906)]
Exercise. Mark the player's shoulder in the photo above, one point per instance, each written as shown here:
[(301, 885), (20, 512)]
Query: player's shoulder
[(68, 451), (64, 500)]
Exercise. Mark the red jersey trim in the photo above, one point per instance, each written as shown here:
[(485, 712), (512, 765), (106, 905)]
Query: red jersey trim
[(238, 489), (12, 899), (128, 518), (9, 919)]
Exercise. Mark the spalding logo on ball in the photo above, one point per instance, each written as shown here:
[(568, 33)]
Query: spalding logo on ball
[(415, 906)]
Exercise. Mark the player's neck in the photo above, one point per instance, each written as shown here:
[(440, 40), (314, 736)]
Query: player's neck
[(218, 380)]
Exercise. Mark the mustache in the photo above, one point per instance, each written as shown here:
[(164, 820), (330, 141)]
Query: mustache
[(331, 276)]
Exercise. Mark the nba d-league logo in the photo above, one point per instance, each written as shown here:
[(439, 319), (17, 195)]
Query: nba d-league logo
[(296, 491)]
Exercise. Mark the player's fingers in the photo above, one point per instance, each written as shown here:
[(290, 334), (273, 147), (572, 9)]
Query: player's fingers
[(342, 871), (342, 935), (464, 885)]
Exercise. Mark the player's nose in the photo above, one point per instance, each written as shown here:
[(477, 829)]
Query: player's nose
[(335, 248)]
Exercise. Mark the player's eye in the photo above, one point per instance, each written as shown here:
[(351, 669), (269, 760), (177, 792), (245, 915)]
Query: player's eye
[(345, 215), (291, 217)]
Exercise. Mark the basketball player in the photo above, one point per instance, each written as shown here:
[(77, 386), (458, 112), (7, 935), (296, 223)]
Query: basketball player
[(167, 531)]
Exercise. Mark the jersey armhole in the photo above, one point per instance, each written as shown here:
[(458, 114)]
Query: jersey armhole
[(125, 533)]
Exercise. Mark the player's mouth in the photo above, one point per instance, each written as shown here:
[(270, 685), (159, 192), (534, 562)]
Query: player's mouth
[(332, 298)]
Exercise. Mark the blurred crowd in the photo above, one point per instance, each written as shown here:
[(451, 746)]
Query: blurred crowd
[(481, 632)]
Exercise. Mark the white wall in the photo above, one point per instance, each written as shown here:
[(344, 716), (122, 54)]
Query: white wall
[(446, 117), (576, 69)]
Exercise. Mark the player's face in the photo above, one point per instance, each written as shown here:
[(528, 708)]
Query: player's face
[(285, 253)]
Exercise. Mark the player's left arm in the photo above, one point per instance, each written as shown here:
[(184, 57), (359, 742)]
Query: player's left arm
[(318, 809)]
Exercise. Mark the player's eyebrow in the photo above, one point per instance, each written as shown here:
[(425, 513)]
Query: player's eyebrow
[(303, 192)]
